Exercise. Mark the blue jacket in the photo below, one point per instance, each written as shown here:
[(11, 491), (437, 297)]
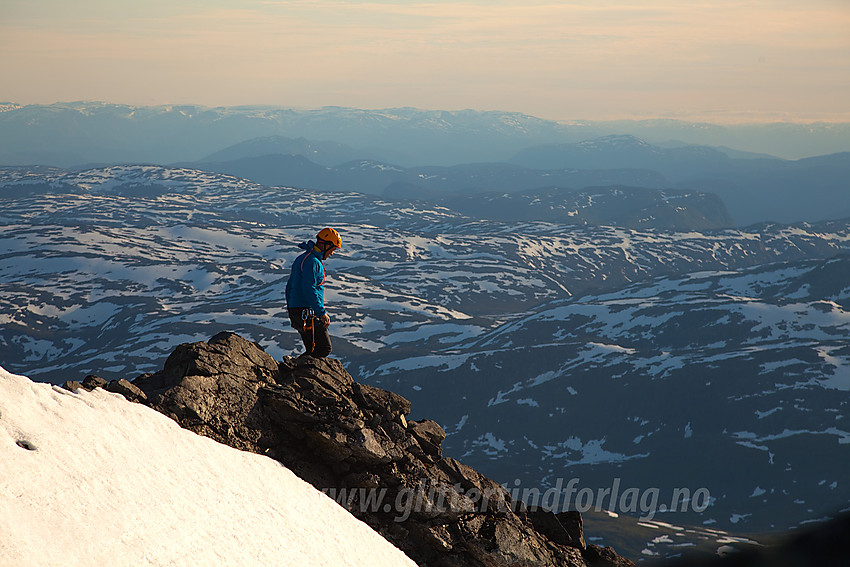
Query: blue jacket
[(305, 287)]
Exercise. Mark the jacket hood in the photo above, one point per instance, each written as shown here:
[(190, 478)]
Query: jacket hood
[(307, 245)]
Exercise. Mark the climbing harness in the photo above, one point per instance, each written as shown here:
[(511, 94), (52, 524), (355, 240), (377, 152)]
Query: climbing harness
[(309, 324)]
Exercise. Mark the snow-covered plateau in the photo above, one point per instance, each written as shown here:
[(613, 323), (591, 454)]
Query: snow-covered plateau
[(711, 359)]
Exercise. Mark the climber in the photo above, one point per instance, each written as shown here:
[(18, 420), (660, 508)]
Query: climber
[(305, 292)]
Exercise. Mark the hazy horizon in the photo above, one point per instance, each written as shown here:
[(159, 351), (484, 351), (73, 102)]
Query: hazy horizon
[(728, 119), (724, 62)]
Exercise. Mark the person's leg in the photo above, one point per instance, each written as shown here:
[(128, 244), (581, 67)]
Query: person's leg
[(322, 343), (307, 339), (297, 323), (317, 341)]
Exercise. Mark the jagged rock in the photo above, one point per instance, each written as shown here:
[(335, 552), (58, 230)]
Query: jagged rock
[(92, 381), (387, 403), (124, 387), (428, 430), (351, 440), (211, 388), (430, 436), (89, 383), (489, 496), (596, 555), (127, 389), (73, 385), (369, 448), (564, 528)]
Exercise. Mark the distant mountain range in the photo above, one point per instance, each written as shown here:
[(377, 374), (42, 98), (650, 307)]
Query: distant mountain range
[(407, 153), (504, 192), (321, 153), (424, 183), (629, 207), (753, 190), (70, 134)]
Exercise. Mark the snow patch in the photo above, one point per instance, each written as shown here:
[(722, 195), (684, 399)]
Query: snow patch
[(158, 494)]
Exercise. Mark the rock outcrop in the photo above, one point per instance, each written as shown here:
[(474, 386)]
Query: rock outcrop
[(354, 442), (821, 545), (122, 386)]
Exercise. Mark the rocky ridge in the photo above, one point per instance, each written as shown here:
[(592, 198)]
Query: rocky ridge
[(353, 442)]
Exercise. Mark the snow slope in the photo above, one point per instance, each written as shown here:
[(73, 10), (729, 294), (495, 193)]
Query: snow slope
[(91, 479)]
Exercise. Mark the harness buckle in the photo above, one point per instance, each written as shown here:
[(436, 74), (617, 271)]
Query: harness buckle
[(307, 319)]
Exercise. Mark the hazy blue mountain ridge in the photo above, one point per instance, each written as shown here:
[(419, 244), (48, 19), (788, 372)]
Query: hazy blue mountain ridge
[(67, 134), (73, 133), (421, 142), (630, 207), (754, 190), (373, 177), (323, 153)]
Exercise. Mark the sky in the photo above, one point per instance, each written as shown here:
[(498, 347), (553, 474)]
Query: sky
[(718, 60)]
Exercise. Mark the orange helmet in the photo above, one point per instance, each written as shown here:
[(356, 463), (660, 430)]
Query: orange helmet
[(330, 235)]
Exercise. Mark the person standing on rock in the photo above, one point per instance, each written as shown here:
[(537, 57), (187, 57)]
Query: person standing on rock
[(305, 292)]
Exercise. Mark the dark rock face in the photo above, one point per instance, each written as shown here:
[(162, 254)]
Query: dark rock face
[(126, 389), (353, 442), (91, 382), (824, 545), (564, 528)]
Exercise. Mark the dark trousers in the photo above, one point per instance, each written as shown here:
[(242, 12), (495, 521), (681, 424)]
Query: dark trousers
[(317, 341)]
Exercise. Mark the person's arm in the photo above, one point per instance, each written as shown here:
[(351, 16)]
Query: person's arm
[(288, 289)]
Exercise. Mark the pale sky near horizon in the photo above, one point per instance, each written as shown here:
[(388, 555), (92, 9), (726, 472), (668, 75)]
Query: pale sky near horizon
[(719, 60)]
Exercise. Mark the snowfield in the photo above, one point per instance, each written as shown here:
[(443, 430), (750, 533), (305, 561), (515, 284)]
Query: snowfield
[(89, 478)]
